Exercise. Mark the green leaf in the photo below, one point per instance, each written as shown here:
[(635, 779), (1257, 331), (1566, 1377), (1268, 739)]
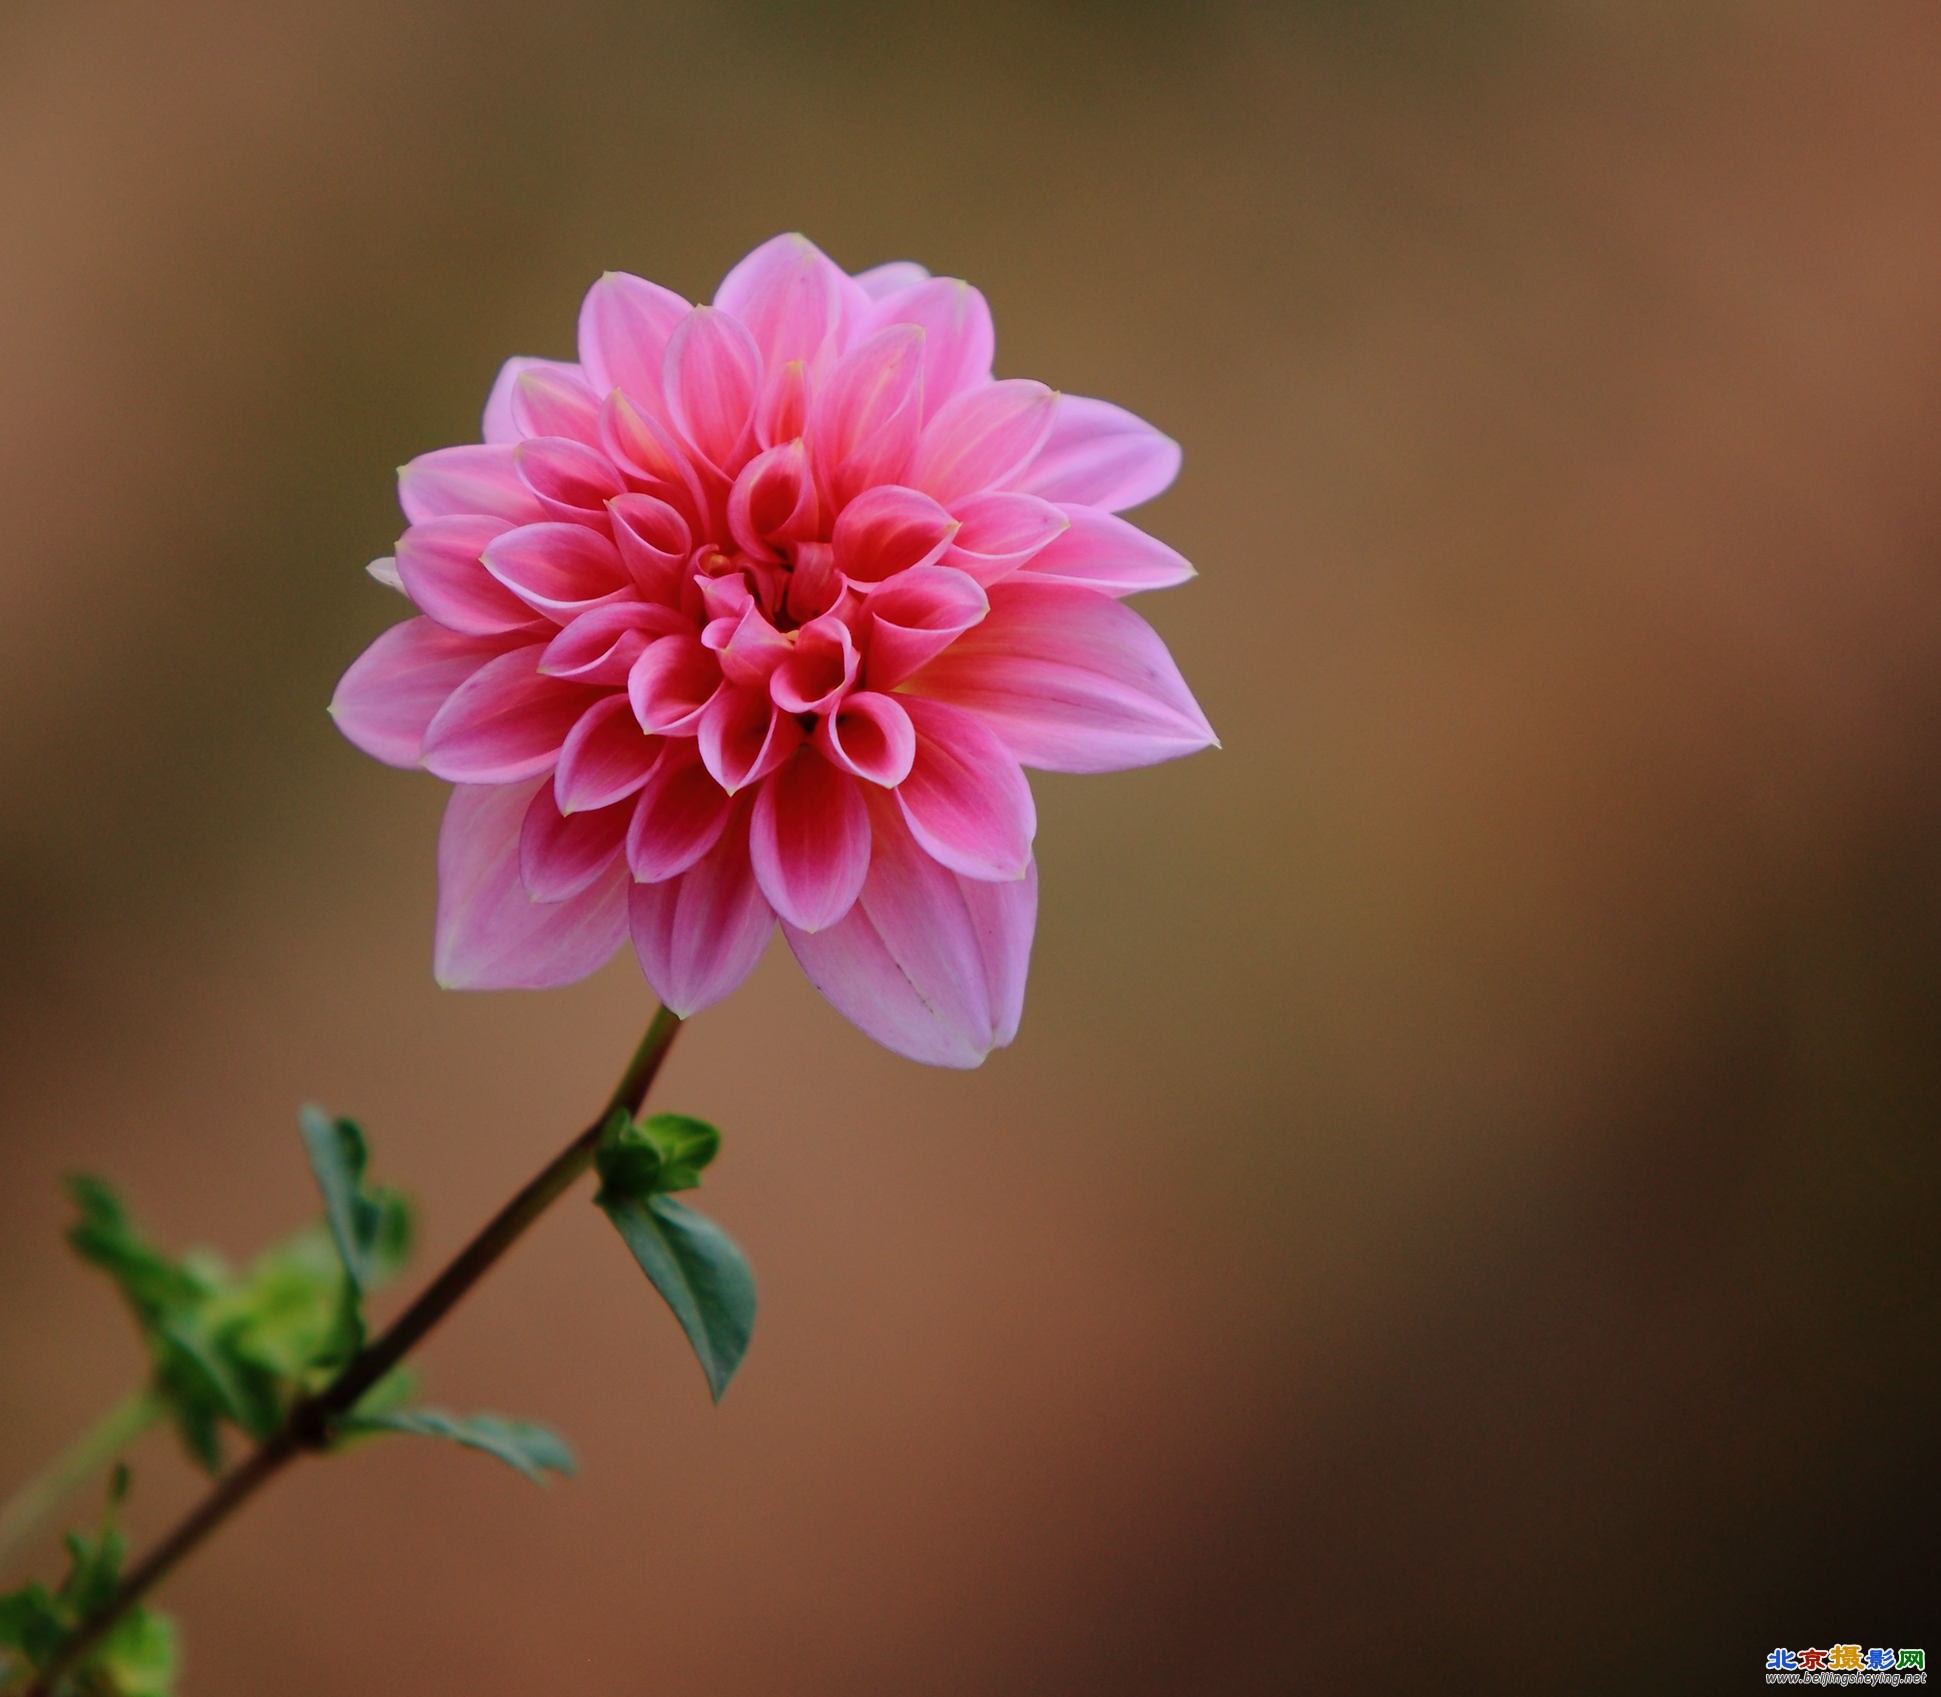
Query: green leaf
[(664, 1153), (141, 1657), (149, 1281), (533, 1449), (697, 1269), (370, 1226), (31, 1623), (686, 1146)]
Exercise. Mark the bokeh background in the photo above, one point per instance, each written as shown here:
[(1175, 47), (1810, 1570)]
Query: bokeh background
[(1461, 1214)]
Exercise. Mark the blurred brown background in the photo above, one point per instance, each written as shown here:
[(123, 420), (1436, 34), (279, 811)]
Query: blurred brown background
[(1462, 1212)]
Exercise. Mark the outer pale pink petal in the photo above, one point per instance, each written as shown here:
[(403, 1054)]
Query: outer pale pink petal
[(966, 800), (871, 736), (559, 854), (605, 758), (491, 934), (1070, 680), (385, 570), (713, 375), (439, 565), (1099, 455), (678, 818), (891, 279), (699, 935), (498, 421), (396, 686), (549, 399), (505, 722), (471, 479), (790, 296), (1107, 554), (981, 438), (958, 339), (929, 964), (809, 837), (625, 323)]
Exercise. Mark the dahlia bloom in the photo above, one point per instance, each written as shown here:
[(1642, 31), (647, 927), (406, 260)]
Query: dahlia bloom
[(756, 613)]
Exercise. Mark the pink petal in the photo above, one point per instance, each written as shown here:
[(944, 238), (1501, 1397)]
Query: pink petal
[(439, 565), (774, 501), (605, 758), (916, 616), (744, 736), (893, 278), (654, 541), (503, 723), (491, 934), (562, 570), (1106, 553), (625, 323), (559, 854), (871, 736), (472, 479), (649, 452), (713, 374), (869, 412), (819, 670), (554, 400), (998, 532), (394, 688), (790, 297), (888, 530), (1099, 455), (966, 800), (671, 685), (1070, 680), (815, 586), (499, 425), (699, 935), (928, 963), (385, 571), (783, 412), (749, 646), (678, 818), (980, 438), (958, 338), (602, 644), (570, 480), (809, 839)]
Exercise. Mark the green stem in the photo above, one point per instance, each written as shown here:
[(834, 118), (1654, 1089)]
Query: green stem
[(308, 1425), (30, 1507)]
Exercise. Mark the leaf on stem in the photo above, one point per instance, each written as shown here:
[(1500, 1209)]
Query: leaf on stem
[(690, 1260), (370, 1225), (533, 1449), (138, 1658)]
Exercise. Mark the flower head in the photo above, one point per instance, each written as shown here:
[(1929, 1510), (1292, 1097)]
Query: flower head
[(757, 612)]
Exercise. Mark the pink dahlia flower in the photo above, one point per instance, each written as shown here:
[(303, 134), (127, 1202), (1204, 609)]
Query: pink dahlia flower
[(757, 612)]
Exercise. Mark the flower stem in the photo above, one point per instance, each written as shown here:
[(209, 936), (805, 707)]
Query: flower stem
[(308, 1425), (28, 1508)]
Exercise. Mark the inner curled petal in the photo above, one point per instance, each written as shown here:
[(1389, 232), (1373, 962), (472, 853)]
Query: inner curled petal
[(818, 671)]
